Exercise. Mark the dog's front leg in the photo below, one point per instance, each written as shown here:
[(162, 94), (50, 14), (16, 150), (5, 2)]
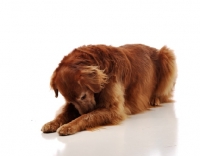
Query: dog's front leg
[(93, 119), (110, 112), (67, 114)]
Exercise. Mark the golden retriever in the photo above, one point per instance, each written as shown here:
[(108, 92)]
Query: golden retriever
[(102, 85)]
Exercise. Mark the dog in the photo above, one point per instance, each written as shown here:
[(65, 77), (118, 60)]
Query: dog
[(102, 85)]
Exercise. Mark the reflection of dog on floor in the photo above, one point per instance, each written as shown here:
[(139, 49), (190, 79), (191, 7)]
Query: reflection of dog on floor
[(103, 84)]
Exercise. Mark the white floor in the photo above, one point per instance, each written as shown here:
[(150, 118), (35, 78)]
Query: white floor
[(35, 35)]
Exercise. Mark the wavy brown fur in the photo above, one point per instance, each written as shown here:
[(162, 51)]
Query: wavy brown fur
[(103, 84)]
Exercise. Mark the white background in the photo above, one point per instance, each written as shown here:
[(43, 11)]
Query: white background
[(35, 35)]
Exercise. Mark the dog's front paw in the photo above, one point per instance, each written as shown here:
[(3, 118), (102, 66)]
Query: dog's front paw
[(67, 129), (50, 127)]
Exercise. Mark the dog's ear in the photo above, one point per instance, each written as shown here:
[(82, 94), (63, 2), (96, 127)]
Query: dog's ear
[(56, 92), (94, 78), (52, 84)]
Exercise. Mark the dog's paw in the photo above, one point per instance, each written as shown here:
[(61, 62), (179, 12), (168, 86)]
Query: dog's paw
[(50, 127), (155, 101), (67, 129)]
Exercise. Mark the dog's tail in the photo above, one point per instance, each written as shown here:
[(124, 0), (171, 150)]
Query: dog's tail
[(167, 74)]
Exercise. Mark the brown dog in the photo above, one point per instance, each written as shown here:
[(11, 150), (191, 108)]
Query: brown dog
[(103, 84)]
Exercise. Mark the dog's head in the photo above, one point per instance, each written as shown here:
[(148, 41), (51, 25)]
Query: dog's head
[(78, 85)]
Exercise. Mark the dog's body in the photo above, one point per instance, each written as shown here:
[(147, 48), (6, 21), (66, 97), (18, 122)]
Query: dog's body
[(103, 84)]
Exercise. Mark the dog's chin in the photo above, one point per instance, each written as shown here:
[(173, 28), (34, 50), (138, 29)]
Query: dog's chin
[(85, 110)]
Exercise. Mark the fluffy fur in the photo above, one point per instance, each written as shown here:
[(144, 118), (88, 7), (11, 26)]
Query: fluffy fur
[(103, 84)]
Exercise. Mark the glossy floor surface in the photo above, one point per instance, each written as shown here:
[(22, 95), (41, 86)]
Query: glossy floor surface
[(35, 35)]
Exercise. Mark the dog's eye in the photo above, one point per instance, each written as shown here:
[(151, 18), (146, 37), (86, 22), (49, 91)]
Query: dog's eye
[(83, 97)]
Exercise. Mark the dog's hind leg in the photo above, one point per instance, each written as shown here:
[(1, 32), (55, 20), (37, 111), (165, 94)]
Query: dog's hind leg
[(167, 74)]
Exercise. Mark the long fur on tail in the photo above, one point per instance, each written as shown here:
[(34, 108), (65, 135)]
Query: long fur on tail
[(167, 74)]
